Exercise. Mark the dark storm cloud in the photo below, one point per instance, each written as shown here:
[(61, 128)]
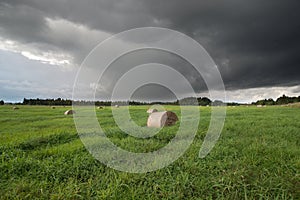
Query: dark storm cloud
[(254, 43)]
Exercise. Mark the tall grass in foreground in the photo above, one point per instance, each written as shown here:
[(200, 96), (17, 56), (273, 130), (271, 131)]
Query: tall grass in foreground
[(256, 157)]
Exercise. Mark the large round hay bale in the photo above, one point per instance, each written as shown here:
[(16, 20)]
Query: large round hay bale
[(99, 107), (161, 119), (116, 106), (293, 105), (70, 112), (152, 110), (15, 108)]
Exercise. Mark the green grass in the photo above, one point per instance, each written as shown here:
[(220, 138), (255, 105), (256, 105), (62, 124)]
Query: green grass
[(256, 157)]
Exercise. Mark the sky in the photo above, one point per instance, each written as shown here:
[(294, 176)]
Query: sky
[(254, 44)]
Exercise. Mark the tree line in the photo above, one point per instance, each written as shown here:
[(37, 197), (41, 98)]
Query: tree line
[(202, 101), (66, 102), (279, 101)]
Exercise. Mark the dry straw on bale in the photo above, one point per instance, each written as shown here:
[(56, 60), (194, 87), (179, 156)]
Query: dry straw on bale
[(70, 112), (261, 106), (15, 108), (149, 111), (293, 105), (161, 119)]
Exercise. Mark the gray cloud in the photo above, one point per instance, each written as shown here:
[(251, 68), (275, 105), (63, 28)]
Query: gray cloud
[(31, 79), (254, 43)]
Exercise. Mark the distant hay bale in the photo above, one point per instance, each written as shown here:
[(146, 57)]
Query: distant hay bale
[(53, 107), (161, 119), (149, 111), (259, 106), (293, 105), (99, 107), (70, 112), (15, 108), (116, 106)]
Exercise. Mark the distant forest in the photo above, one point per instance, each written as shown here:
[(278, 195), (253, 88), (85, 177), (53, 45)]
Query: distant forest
[(280, 101), (66, 102), (202, 101)]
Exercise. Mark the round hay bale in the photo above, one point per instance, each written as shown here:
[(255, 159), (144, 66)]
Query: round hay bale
[(15, 108), (116, 106), (293, 105), (53, 107), (149, 111), (99, 107), (70, 112), (161, 119)]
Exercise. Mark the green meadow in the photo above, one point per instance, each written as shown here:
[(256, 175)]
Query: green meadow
[(256, 157)]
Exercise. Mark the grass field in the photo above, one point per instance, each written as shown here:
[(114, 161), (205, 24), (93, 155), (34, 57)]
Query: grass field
[(256, 157)]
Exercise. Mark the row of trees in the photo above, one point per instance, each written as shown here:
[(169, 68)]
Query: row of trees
[(280, 101), (192, 101), (59, 101), (50, 102), (202, 101)]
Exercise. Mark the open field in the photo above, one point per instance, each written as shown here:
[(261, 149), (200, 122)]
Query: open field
[(256, 157)]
